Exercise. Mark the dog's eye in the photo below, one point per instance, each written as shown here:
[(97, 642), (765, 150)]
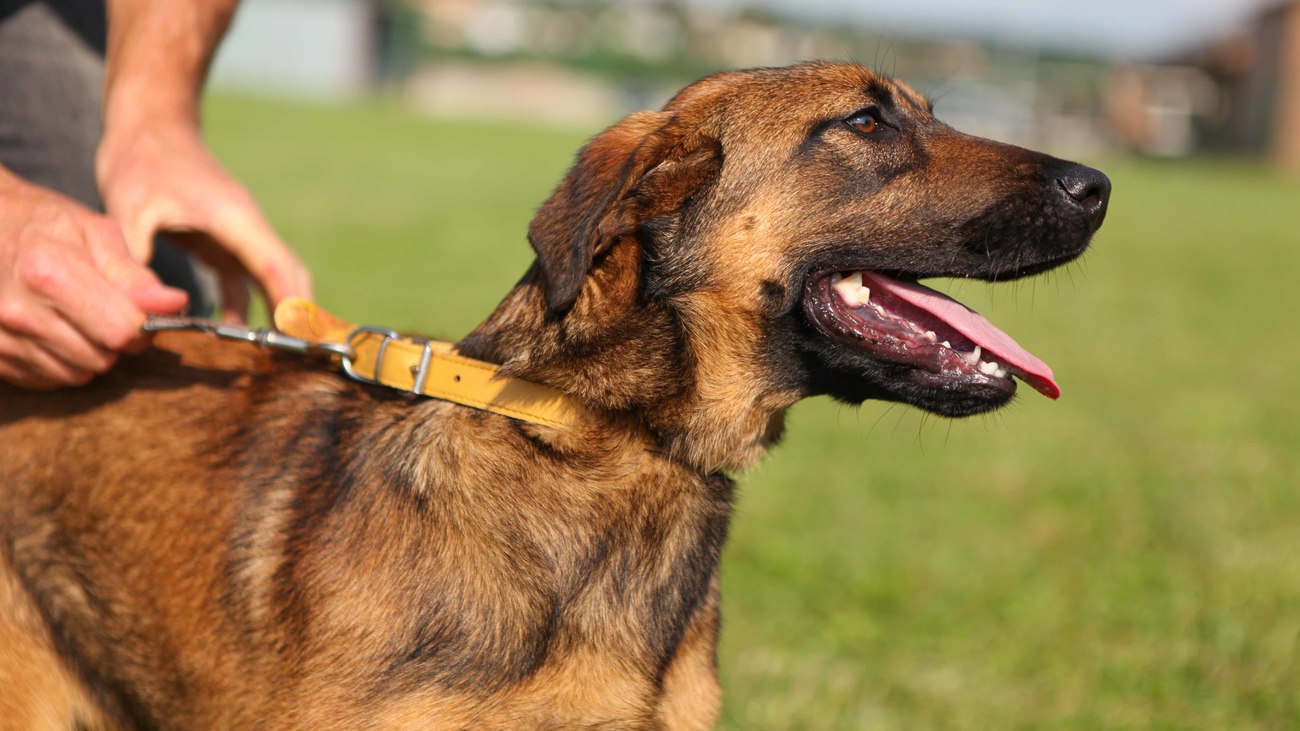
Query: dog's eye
[(867, 121)]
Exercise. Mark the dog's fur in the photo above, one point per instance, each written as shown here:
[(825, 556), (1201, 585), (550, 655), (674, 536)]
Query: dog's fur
[(214, 537)]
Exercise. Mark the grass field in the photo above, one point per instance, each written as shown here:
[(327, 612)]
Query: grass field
[(1125, 558)]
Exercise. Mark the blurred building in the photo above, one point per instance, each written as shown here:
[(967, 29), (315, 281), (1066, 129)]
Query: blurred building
[(1239, 93), (313, 48), (1258, 74)]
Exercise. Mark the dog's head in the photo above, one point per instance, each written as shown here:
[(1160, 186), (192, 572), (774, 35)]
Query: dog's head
[(759, 240)]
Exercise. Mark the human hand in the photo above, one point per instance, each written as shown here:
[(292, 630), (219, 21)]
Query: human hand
[(162, 178), (71, 296)]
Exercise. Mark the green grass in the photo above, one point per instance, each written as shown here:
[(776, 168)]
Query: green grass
[(1125, 558)]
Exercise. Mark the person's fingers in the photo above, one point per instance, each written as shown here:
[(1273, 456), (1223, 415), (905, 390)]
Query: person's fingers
[(140, 344), (38, 365), (272, 264), (67, 300), (20, 374), (234, 299), (94, 307), (49, 365), (133, 279), (32, 323), (73, 349)]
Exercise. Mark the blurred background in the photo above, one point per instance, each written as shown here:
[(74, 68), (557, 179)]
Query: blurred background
[(1127, 557)]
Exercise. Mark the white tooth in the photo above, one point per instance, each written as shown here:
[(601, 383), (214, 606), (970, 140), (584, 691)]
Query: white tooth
[(864, 293), (975, 354), (848, 288), (946, 344), (988, 368), (929, 335), (1001, 373)]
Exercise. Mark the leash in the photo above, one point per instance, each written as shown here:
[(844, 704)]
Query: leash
[(383, 357)]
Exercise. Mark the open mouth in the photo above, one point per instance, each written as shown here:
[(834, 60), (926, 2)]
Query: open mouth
[(949, 345)]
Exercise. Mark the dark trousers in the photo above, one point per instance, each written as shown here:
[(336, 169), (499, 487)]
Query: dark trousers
[(51, 94)]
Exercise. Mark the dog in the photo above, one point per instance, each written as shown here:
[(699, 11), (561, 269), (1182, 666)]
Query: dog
[(212, 536)]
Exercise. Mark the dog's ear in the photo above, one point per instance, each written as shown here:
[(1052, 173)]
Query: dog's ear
[(594, 204)]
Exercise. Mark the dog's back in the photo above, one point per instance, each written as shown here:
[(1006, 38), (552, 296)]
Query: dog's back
[(120, 516)]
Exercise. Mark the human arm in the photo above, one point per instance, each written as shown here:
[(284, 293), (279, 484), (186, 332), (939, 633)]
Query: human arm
[(156, 174)]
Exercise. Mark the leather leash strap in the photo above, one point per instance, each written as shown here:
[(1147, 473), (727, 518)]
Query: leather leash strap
[(426, 367)]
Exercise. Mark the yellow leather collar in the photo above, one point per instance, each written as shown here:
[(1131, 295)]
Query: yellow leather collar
[(429, 368)]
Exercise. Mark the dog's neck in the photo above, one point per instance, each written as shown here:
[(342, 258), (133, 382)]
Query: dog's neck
[(627, 356)]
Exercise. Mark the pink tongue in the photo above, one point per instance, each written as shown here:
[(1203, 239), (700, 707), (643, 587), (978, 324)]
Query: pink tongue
[(971, 324)]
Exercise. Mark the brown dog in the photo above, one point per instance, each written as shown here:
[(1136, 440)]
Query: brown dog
[(213, 537)]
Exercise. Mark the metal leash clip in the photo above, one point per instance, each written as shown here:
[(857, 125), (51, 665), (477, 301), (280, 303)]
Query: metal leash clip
[(267, 338), (263, 337)]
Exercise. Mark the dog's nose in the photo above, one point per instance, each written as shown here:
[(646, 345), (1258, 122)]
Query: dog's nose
[(1088, 189)]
